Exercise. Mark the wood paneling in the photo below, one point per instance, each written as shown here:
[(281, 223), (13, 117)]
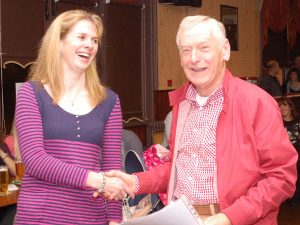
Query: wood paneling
[(161, 104)]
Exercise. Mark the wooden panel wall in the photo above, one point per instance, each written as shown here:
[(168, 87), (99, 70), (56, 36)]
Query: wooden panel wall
[(245, 62)]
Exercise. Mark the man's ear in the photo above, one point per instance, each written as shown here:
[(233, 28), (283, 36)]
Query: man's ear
[(226, 50)]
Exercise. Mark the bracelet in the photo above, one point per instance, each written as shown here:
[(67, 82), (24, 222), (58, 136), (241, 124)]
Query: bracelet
[(100, 190), (4, 156)]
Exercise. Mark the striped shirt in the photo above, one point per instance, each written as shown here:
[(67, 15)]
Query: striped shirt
[(196, 162), (59, 148)]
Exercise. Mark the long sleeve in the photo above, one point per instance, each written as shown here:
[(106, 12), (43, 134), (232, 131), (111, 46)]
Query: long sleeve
[(112, 158)]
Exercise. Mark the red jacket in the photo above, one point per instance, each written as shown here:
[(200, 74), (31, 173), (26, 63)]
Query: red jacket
[(256, 163)]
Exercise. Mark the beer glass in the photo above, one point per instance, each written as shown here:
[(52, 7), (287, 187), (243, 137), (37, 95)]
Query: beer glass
[(3, 180), (20, 168)]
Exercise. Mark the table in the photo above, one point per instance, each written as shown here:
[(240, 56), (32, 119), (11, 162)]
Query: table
[(9, 199)]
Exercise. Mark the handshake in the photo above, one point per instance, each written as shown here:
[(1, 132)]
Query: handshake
[(114, 185)]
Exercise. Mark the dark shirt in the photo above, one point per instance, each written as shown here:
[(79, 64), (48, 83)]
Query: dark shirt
[(293, 129), (271, 85)]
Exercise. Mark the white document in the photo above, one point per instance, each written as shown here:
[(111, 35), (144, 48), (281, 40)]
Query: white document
[(178, 212)]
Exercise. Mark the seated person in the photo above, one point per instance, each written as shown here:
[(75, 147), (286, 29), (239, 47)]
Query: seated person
[(293, 82), (296, 64), (5, 155), (291, 122), (269, 81), (8, 212), (167, 123)]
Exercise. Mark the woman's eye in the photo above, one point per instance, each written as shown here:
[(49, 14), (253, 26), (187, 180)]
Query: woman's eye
[(95, 41)]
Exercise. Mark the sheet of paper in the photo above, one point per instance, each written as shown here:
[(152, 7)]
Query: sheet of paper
[(178, 212)]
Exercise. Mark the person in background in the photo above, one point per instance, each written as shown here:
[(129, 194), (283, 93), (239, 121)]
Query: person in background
[(7, 212), (296, 64), (167, 123), (291, 123), (270, 81), (293, 82), (6, 157), (222, 158), (69, 129)]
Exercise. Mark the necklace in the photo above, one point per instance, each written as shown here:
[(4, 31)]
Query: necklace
[(71, 101)]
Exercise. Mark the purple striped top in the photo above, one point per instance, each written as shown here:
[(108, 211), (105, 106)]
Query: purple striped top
[(59, 148)]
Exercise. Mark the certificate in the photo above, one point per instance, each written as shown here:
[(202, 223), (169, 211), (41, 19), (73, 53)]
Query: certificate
[(177, 212)]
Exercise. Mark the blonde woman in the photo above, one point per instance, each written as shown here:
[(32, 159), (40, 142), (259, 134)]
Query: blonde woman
[(69, 130)]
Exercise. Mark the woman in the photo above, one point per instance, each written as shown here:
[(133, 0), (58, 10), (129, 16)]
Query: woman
[(69, 130), (292, 125), (293, 83), (5, 155)]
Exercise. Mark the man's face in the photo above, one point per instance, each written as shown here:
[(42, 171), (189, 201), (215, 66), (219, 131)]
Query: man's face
[(202, 58)]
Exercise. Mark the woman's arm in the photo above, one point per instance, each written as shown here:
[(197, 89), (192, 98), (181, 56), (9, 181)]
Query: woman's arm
[(6, 158)]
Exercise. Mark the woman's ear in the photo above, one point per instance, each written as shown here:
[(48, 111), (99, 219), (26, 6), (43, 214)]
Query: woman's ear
[(226, 50)]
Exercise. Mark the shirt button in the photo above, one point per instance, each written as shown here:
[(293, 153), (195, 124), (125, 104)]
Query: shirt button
[(77, 116), (78, 135), (78, 128), (77, 121)]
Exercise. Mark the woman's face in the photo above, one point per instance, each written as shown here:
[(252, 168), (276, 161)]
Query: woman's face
[(293, 76), (79, 47), (285, 110)]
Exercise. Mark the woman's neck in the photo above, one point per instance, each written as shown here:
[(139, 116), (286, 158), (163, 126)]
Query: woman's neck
[(287, 118)]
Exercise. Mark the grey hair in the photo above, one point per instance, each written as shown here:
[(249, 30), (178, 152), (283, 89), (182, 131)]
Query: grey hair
[(216, 27)]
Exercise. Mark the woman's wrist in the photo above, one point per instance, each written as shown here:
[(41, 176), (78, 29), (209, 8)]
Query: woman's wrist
[(3, 155), (103, 182)]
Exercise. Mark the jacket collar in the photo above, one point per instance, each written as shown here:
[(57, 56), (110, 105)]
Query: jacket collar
[(178, 95)]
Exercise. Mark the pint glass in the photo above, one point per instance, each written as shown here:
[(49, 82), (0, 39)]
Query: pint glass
[(3, 180)]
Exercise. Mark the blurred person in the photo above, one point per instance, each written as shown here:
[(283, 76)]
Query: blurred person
[(291, 122), (6, 157), (293, 82), (69, 130), (222, 158), (270, 81), (167, 123)]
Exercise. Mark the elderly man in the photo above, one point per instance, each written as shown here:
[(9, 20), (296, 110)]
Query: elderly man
[(229, 150)]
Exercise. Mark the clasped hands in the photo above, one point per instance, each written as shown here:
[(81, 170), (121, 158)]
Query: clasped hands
[(117, 185)]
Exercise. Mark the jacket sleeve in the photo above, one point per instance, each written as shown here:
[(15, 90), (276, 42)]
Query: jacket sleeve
[(276, 163)]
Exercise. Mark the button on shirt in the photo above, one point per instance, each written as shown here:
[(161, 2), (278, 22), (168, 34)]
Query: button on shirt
[(196, 162)]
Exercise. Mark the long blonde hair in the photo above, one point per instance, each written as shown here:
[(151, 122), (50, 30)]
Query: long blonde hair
[(47, 68)]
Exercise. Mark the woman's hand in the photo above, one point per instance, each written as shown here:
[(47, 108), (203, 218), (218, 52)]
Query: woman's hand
[(113, 223), (124, 180)]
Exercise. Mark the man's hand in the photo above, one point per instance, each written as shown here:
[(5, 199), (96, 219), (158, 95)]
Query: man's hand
[(218, 219), (117, 185)]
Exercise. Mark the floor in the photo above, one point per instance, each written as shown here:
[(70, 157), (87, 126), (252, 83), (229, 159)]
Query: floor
[(289, 215)]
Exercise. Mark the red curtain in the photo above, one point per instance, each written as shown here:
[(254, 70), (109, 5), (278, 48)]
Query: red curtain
[(279, 14), (294, 22), (274, 16)]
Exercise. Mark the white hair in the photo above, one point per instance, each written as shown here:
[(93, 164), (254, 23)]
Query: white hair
[(216, 27)]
